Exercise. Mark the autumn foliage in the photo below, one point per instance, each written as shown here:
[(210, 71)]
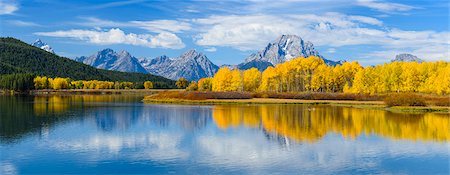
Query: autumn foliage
[(313, 75), (42, 82)]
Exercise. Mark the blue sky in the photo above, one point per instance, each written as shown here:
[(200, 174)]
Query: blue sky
[(369, 31)]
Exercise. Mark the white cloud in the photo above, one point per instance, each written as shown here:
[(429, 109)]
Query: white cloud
[(253, 32), (117, 4), (211, 49), (8, 168), (23, 23), (331, 50), (7, 7), (385, 6), (162, 25), (157, 26), (117, 36), (429, 53)]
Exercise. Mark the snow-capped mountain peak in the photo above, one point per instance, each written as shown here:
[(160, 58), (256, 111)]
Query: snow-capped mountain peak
[(191, 65), (284, 48), (42, 45), (111, 60)]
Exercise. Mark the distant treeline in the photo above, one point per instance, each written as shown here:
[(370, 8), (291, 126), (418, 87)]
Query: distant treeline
[(25, 82)]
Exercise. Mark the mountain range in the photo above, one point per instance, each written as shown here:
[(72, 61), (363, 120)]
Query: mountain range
[(110, 60), (194, 65), (284, 48), (191, 65)]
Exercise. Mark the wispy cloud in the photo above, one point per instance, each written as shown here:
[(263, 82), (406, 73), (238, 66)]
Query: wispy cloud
[(162, 25), (387, 7), (156, 26), (117, 4), (211, 49), (21, 23), (8, 7), (252, 32), (331, 50), (117, 36)]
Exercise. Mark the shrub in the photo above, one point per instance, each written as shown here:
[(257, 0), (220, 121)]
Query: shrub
[(404, 99), (148, 85), (181, 83), (437, 100), (319, 96), (192, 86), (191, 95)]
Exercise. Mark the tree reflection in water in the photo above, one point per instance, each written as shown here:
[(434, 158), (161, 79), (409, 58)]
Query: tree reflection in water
[(312, 122), (280, 123)]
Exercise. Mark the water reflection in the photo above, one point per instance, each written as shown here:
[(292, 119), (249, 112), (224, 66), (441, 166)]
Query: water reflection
[(119, 134), (311, 123)]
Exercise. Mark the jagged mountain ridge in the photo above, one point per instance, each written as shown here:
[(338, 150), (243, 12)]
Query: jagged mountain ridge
[(282, 49), (406, 57), (191, 65), (194, 65), (110, 60), (38, 43)]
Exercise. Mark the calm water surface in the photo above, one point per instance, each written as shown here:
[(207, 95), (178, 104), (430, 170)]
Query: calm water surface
[(119, 134)]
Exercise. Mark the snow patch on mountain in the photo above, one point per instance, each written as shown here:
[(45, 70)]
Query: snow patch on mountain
[(38, 43), (110, 60), (284, 48)]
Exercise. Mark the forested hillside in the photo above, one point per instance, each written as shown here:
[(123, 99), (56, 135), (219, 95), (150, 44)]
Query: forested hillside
[(19, 57)]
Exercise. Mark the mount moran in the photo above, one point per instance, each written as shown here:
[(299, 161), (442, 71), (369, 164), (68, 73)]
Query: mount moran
[(194, 65)]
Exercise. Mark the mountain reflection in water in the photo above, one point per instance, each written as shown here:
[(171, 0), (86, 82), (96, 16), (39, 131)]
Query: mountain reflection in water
[(297, 122), (118, 134)]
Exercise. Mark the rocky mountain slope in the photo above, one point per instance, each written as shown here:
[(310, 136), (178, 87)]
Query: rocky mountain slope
[(406, 57), (194, 65), (191, 65), (108, 59), (284, 48)]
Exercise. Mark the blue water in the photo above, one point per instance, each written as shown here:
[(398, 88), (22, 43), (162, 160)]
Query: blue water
[(122, 135)]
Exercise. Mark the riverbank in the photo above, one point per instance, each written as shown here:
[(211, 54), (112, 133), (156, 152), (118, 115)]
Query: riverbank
[(356, 104), (340, 99), (98, 91)]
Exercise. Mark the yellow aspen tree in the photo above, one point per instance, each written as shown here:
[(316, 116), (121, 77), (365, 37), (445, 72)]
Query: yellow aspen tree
[(222, 80), (181, 83), (410, 77), (192, 86), (252, 79), (319, 82), (41, 82), (60, 83), (268, 80), (237, 83), (147, 85)]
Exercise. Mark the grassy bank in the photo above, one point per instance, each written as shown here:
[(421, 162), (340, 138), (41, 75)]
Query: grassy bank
[(426, 103), (98, 91)]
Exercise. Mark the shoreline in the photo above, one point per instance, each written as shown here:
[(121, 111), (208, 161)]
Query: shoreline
[(98, 91), (380, 105)]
